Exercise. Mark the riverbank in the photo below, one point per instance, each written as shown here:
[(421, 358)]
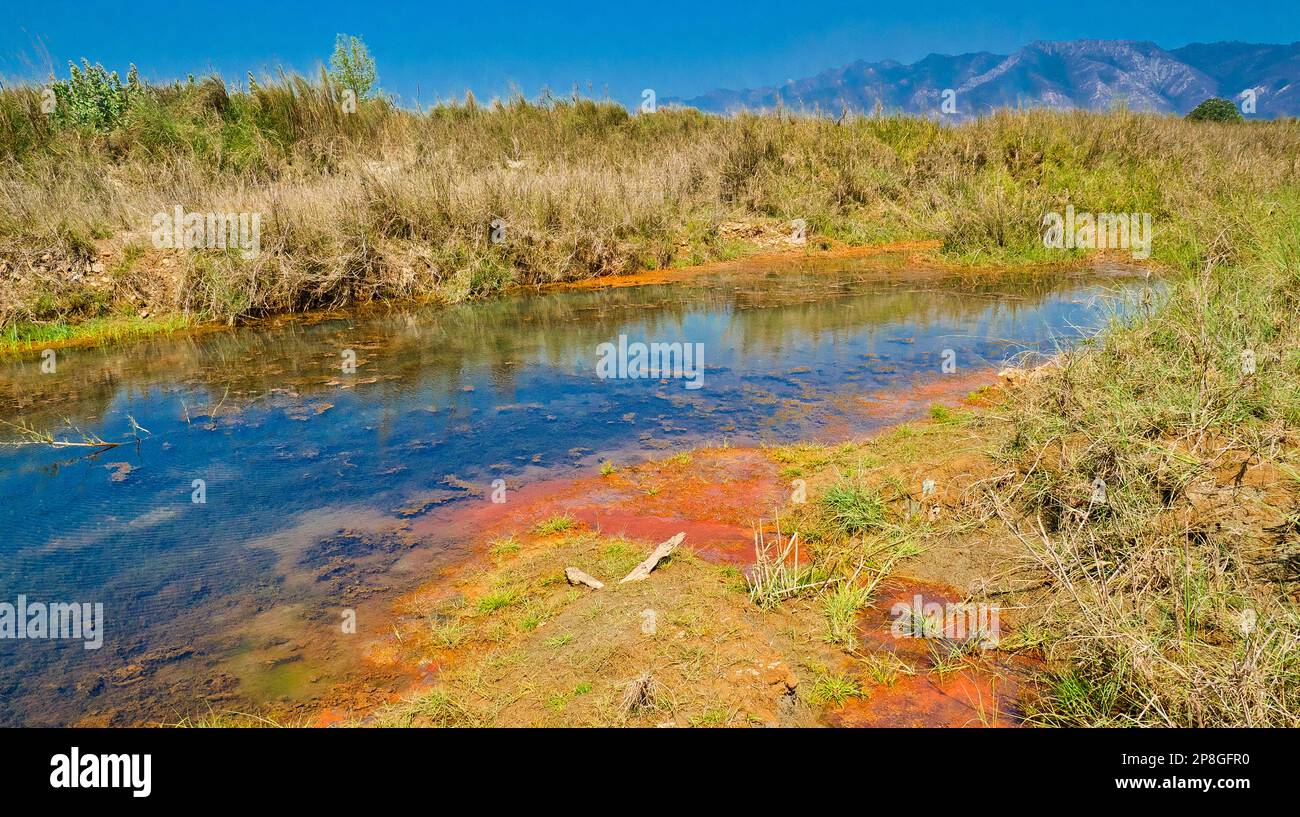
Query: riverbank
[(465, 200), (1195, 452), (921, 255), (514, 643), (1114, 609), (1183, 569), (1131, 507)]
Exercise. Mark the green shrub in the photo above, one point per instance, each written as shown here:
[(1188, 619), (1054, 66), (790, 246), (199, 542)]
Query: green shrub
[(93, 97), (352, 68), (1215, 109)]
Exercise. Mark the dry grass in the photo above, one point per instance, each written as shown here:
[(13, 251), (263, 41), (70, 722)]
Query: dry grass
[(1173, 597), (1173, 600), (387, 203)]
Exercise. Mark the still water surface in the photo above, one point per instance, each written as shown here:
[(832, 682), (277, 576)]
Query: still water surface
[(311, 475)]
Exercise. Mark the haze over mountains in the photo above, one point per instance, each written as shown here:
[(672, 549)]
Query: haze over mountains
[(1091, 74)]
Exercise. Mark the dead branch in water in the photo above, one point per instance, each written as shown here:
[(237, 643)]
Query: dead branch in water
[(136, 428), (212, 415), (28, 435)]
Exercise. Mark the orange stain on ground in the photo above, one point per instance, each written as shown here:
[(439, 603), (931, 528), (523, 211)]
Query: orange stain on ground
[(906, 250), (715, 495), (714, 499), (982, 690), (959, 699)]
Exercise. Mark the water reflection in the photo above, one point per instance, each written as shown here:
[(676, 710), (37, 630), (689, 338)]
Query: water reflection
[(311, 474)]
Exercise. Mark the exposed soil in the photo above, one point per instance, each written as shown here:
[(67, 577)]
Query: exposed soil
[(511, 643), (917, 256)]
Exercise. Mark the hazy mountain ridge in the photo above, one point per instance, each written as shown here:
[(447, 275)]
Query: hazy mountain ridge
[(1091, 74)]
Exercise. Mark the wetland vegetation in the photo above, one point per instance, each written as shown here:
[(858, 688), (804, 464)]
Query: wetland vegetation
[(1166, 596)]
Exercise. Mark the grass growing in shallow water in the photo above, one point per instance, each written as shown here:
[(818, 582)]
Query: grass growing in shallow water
[(24, 337)]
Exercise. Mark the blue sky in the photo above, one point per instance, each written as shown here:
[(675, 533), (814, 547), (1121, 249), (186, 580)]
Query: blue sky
[(436, 49)]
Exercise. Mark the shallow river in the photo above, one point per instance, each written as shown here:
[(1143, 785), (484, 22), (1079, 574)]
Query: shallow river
[(263, 488)]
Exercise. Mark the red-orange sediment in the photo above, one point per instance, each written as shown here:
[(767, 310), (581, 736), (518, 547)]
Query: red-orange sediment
[(984, 691), (715, 496), (914, 249)]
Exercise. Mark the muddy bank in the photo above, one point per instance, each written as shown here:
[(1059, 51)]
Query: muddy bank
[(126, 330), (504, 640)]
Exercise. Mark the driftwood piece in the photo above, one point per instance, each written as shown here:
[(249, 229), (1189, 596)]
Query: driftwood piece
[(576, 576), (660, 553)]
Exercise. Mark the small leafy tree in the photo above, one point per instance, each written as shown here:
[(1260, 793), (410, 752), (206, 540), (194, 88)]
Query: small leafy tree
[(352, 67), (92, 97), (1215, 109)]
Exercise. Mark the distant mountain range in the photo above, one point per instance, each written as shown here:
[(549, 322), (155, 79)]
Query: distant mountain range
[(1091, 74)]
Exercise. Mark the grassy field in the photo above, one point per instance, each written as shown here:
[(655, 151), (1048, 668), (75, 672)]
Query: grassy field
[(386, 203), (1176, 598)]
